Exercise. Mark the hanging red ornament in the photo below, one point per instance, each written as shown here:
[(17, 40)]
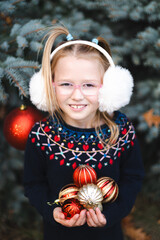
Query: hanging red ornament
[(18, 123), (83, 175), (71, 207), (109, 189), (67, 192)]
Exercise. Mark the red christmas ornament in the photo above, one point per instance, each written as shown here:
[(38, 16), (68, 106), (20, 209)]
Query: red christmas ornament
[(83, 175), (109, 189), (18, 123), (67, 192), (71, 207)]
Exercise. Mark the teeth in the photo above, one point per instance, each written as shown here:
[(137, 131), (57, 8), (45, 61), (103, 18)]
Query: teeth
[(77, 106)]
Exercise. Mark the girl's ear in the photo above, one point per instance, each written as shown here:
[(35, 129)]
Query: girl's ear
[(116, 90), (37, 91)]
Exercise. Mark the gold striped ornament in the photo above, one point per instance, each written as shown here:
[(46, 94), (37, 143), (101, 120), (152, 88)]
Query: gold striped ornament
[(67, 192), (109, 189)]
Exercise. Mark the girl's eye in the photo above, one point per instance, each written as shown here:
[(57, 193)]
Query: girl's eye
[(65, 84), (89, 85)]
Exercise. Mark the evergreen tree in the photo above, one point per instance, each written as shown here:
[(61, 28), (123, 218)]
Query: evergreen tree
[(132, 28)]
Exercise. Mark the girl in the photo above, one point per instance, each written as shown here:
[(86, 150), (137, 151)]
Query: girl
[(82, 90)]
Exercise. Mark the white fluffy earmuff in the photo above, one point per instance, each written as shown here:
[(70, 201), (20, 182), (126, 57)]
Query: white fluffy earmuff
[(37, 92), (115, 92)]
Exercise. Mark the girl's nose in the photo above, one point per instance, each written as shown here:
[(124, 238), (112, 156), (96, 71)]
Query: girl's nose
[(77, 94)]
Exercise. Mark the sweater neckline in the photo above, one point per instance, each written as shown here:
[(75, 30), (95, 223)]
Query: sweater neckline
[(63, 124), (72, 138)]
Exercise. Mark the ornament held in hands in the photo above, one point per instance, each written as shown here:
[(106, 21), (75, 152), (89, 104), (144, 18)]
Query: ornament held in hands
[(109, 189), (71, 207), (90, 196), (84, 174), (67, 192)]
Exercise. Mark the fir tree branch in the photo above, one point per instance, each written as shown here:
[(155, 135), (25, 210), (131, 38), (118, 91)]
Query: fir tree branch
[(34, 67), (18, 1), (16, 82), (37, 30)]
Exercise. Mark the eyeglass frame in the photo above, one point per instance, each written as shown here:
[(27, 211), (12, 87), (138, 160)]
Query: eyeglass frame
[(77, 86)]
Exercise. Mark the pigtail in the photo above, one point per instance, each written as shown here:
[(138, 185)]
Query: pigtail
[(46, 64), (107, 118), (104, 44)]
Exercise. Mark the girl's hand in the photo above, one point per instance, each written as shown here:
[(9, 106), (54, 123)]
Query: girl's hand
[(95, 218), (76, 220)]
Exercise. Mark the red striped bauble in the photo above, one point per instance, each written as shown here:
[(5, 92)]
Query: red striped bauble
[(71, 207), (83, 175), (109, 189), (67, 192)]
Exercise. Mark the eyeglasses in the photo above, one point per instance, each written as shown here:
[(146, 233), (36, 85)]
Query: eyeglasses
[(87, 89)]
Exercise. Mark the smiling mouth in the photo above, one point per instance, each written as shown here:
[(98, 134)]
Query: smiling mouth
[(77, 106)]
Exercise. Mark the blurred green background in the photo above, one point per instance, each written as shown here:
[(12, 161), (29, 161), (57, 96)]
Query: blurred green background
[(132, 28)]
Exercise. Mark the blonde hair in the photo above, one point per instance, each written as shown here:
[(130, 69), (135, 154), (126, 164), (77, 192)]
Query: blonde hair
[(48, 69)]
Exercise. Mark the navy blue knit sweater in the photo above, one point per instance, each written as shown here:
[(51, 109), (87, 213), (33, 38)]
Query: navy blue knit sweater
[(52, 153)]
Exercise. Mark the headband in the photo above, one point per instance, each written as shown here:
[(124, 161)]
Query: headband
[(83, 42), (115, 92)]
